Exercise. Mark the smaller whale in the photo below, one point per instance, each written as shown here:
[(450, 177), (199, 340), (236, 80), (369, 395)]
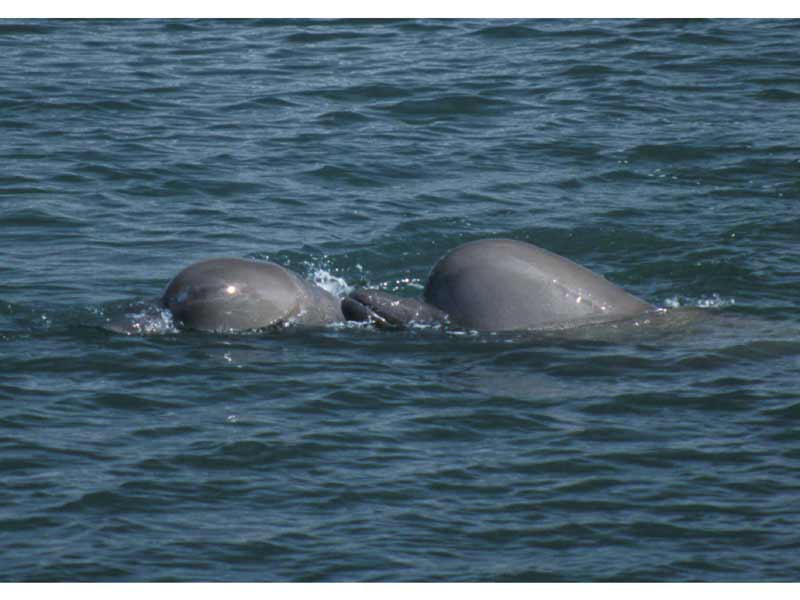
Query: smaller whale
[(232, 294), (501, 285)]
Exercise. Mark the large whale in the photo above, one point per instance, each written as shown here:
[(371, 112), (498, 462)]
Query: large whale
[(502, 285)]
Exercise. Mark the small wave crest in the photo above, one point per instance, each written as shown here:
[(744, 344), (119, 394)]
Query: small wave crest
[(712, 301), (139, 318)]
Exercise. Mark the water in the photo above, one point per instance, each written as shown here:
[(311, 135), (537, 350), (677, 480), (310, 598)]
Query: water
[(663, 155)]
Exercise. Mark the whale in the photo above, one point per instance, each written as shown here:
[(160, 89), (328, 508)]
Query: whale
[(233, 294), (224, 295), (501, 285)]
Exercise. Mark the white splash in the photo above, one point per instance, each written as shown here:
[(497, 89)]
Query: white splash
[(713, 301), (331, 283), (143, 320)]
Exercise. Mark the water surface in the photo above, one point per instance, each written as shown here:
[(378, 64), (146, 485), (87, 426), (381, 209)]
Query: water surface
[(663, 155)]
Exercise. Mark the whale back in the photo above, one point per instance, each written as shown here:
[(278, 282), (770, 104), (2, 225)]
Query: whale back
[(231, 294), (499, 285), (389, 311)]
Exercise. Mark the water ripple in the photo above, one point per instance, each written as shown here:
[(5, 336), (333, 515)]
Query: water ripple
[(660, 154)]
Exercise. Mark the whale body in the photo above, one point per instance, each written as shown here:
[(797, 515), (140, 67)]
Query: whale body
[(486, 285), (232, 294), (502, 285)]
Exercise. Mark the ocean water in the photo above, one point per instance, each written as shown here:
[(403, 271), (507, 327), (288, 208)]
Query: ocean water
[(664, 155)]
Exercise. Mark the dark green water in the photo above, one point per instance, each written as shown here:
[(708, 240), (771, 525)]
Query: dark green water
[(664, 155)]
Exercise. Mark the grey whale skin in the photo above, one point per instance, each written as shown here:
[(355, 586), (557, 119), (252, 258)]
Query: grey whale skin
[(502, 285), (486, 285), (232, 294)]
